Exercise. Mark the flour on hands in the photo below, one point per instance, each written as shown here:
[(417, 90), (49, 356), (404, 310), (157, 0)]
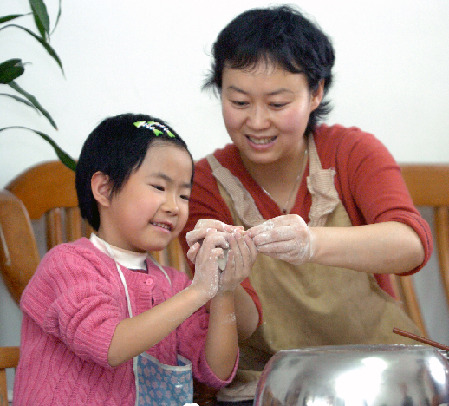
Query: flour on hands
[(206, 277), (285, 237)]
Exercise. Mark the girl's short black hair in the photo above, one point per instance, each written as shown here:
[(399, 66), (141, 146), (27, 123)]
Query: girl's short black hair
[(279, 35), (117, 147)]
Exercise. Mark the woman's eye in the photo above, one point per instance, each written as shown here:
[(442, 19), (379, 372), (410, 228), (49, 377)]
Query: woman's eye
[(278, 105), (240, 103), (185, 197), (158, 187)]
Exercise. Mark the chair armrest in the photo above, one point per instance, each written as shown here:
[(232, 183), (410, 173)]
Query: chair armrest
[(19, 255)]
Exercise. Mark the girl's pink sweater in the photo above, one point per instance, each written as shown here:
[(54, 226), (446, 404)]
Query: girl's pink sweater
[(71, 308)]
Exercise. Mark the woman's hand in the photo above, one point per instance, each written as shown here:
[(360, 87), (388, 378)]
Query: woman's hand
[(285, 237), (241, 256), (206, 278)]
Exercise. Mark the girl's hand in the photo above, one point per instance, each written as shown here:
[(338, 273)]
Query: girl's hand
[(285, 237), (194, 238), (241, 256), (206, 277)]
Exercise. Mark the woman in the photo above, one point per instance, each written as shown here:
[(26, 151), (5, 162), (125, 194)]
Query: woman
[(325, 205)]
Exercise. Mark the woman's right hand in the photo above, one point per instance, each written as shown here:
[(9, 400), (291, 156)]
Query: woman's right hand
[(206, 277)]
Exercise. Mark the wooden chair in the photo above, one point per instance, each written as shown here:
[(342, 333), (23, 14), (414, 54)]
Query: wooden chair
[(428, 186), (9, 358), (46, 190)]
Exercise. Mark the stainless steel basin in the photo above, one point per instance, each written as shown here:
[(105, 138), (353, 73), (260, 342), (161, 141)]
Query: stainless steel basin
[(356, 375)]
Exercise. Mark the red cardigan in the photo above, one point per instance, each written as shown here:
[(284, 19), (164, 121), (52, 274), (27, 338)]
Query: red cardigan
[(368, 181)]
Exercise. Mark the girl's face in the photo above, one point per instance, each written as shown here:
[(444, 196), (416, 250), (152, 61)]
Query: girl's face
[(152, 206), (266, 111)]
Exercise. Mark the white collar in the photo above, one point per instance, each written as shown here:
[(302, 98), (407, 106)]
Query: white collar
[(128, 259)]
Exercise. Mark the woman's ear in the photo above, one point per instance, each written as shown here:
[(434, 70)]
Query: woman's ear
[(101, 188), (317, 96)]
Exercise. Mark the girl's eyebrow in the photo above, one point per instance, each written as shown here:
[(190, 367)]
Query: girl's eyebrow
[(167, 178)]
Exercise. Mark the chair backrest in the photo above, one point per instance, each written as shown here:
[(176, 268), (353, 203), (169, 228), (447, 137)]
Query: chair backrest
[(428, 186), (9, 358), (43, 191), (47, 191)]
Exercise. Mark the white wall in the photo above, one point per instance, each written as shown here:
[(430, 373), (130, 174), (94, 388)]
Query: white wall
[(151, 56)]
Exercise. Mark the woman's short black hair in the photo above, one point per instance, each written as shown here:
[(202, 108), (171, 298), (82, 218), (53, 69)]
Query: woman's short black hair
[(117, 147), (279, 35)]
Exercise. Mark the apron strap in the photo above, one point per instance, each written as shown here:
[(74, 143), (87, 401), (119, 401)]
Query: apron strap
[(320, 183), (242, 199), (155, 262)]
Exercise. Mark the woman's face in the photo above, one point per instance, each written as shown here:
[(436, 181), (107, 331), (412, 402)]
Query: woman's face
[(266, 111)]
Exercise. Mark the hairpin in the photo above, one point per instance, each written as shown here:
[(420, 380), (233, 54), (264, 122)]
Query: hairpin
[(155, 126)]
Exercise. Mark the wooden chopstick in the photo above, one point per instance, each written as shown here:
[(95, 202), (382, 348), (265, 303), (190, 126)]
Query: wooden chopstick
[(420, 339)]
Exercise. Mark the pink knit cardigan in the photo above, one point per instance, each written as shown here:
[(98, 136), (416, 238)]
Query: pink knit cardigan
[(71, 308)]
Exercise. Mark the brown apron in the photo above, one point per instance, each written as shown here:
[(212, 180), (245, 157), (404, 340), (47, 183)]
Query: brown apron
[(309, 305)]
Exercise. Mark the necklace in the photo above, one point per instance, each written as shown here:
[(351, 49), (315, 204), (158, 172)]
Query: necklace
[(284, 207)]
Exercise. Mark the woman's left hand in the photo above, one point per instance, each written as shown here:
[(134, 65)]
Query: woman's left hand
[(285, 237)]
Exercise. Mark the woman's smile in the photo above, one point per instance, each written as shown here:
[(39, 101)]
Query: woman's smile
[(261, 140), (261, 143)]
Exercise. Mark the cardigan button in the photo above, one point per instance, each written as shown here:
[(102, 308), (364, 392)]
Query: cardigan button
[(149, 281)]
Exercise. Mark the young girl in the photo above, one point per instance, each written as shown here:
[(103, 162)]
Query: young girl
[(103, 323)]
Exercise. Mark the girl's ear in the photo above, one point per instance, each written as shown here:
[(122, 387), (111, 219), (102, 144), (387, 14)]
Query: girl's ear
[(101, 188)]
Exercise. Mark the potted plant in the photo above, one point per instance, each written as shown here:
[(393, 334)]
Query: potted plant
[(12, 69)]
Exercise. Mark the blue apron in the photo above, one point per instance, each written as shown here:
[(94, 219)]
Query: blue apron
[(158, 384), (164, 385)]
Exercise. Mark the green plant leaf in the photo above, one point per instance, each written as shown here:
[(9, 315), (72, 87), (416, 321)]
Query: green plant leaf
[(45, 44), (58, 16), (33, 101), (10, 70), (41, 18), (5, 19), (19, 99), (13, 68), (65, 158)]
